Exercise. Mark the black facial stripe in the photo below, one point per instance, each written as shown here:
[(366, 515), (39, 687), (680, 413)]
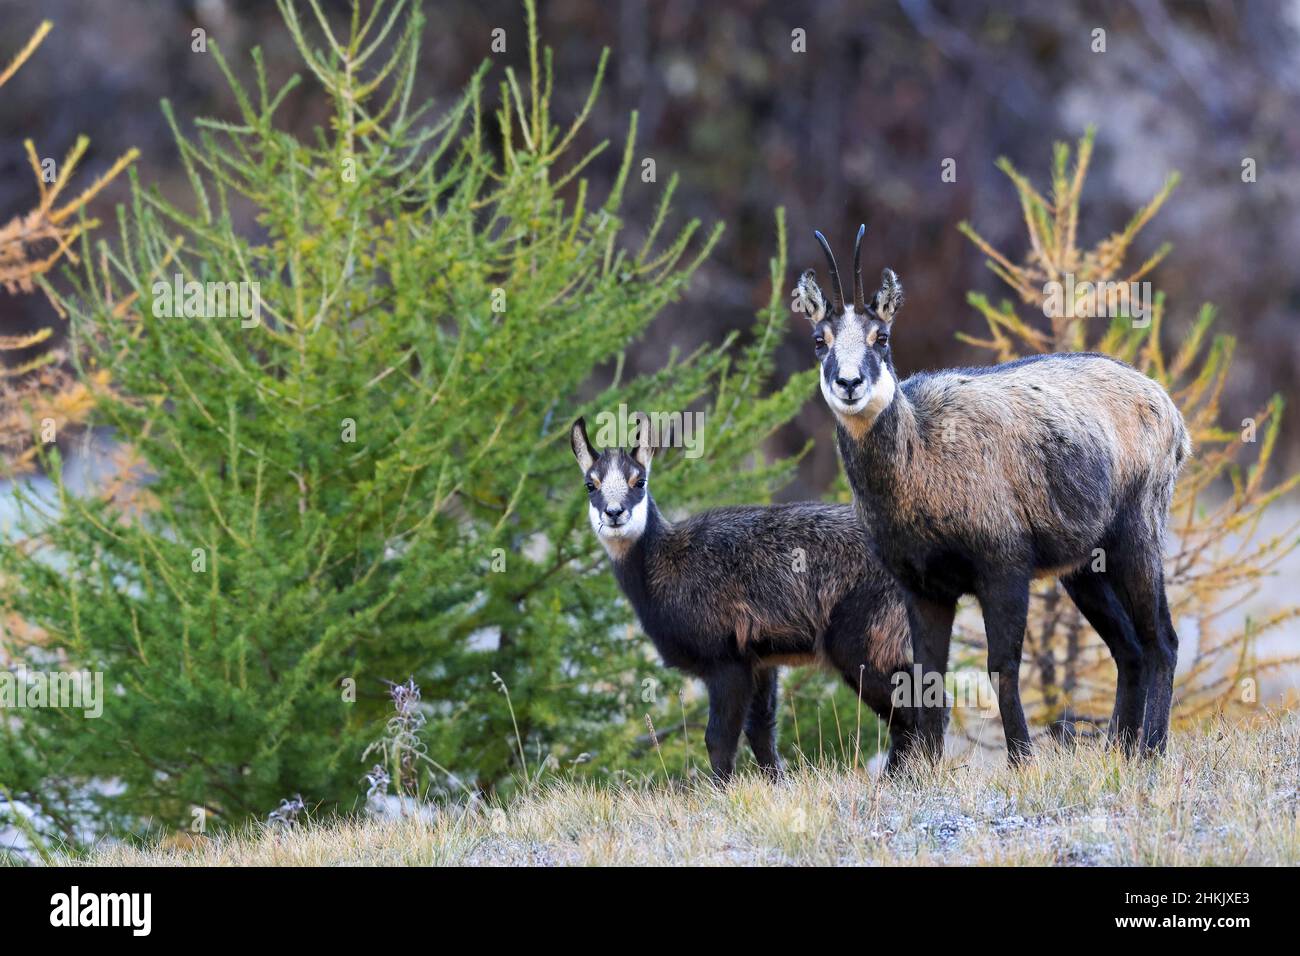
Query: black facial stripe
[(831, 365), (871, 366)]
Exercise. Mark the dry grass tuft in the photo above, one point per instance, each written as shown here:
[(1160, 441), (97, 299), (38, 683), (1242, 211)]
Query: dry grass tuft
[(1226, 794)]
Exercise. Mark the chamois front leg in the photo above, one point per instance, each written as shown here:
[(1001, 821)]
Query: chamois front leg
[(731, 688), (1005, 603), (760, 722), (931, 624)]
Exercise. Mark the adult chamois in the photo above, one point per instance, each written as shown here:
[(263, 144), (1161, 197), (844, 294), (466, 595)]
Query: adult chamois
[(730, 594), (976, 480)]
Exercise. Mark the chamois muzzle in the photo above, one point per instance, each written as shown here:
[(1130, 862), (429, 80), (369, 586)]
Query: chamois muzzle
[(850, 390)]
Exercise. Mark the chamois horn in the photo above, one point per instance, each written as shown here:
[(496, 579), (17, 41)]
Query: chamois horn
[(859, 299), (837, 290)]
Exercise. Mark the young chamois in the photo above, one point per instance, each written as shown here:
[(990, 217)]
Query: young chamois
[(731, 594), (976, 480)]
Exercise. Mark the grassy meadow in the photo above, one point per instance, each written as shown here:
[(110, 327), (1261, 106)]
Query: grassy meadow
[(1225, 794)]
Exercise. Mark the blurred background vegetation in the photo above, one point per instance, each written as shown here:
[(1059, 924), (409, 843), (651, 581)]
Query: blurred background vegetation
[(367, 490), (856, 129)]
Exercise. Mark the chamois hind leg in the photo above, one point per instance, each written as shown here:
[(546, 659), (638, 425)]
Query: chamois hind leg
[(930, 621), (1094, 595), (731, 688), (1005, 603), (850, 651), (1140, 582), (876, 691), (760, 722), (1169, 643)]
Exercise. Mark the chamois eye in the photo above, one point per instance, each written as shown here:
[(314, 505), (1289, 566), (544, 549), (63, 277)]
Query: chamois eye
[(591, 485), (819, 342), (635, 481), (882, 337)]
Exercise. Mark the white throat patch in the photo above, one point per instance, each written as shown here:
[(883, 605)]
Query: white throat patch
[(617, 539), (857, 419), (882, 393)]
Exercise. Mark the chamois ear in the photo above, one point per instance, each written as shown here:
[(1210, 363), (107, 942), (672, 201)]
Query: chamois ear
[(808, 298), (581, 446), (889, 297), (643, 450)]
